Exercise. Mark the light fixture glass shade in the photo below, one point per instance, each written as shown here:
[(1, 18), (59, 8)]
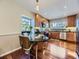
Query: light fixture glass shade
[(37, 6)]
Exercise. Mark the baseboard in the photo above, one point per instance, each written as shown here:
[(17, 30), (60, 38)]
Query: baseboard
[(10, 52)]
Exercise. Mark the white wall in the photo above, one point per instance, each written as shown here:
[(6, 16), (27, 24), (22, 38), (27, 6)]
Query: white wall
[(10, 13)]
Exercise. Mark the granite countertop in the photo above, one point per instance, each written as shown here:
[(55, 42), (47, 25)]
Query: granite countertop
[(63, 31)]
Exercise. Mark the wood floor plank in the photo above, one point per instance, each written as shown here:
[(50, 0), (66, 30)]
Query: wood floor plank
[(52, 49)]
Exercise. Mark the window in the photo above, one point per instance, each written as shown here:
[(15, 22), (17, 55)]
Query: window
[(25, 24), (27, 27)]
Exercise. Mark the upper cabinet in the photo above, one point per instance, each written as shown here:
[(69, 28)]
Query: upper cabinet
[(38, 20), (41, 22), (71, 21)]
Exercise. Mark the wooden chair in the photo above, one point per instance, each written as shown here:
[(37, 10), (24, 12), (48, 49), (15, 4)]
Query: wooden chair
[(25, 44)]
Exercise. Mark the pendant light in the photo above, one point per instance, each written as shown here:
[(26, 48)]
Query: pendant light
[(37, 5)]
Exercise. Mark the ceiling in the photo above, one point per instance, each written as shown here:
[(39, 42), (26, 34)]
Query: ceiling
[(52, 9)]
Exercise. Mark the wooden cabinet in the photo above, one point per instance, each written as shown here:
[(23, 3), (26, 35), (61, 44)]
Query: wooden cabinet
[(39, 20), (71, 21), (71, 36), (55, 35)]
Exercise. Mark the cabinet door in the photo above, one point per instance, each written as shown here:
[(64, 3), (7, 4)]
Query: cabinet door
[(55, 35), (37, 20), (71, 36), (71, 21)]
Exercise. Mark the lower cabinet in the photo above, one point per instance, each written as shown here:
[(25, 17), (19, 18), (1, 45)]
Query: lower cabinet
[(71, 36), (55, 35)]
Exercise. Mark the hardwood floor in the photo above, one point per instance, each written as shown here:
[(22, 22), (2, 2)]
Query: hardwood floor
[(56, 49), (53, 49), (16, 55)]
